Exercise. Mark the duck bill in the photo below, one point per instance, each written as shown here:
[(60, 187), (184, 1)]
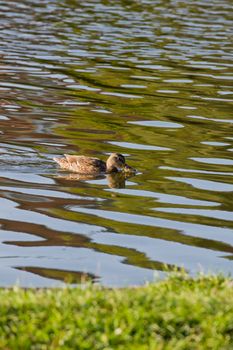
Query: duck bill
[(128, 169)]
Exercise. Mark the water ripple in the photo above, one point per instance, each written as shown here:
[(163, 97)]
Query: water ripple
[(147, 79)]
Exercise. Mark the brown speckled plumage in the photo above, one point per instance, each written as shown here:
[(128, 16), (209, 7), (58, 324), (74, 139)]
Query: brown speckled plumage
[(89, 165)]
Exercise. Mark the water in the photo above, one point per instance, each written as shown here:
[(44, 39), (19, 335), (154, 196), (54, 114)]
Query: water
[(149, 79)]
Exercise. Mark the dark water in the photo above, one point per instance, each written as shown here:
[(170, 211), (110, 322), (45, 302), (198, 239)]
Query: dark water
[(149, 79)]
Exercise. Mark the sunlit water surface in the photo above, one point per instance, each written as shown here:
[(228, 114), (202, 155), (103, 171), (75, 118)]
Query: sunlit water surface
[(149, 79)]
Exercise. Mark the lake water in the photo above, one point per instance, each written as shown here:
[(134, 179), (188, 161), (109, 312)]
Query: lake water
[(149, 79)]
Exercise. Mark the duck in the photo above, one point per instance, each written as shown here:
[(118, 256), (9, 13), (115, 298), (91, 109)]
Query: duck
[(90, 165)]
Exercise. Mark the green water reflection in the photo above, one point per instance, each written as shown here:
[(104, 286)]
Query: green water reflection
[(149, 79)]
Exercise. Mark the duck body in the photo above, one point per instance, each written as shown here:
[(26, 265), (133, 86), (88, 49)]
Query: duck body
[(89, 165), (81, 164)]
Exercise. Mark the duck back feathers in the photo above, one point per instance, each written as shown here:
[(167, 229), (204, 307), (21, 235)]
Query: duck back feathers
[(81, 164)]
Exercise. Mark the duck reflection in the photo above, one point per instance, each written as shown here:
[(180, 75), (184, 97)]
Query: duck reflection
[(117, 180), (114, 180)]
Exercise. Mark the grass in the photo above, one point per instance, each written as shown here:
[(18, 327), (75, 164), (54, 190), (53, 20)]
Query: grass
[(176, 313)]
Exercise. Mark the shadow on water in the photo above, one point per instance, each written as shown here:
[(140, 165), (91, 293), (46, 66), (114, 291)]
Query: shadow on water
[(151, 80)]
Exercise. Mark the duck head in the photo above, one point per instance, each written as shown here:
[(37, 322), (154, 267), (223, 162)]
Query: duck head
[(116, 162)]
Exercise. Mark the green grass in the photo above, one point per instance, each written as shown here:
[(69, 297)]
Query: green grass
[(176, 313)]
